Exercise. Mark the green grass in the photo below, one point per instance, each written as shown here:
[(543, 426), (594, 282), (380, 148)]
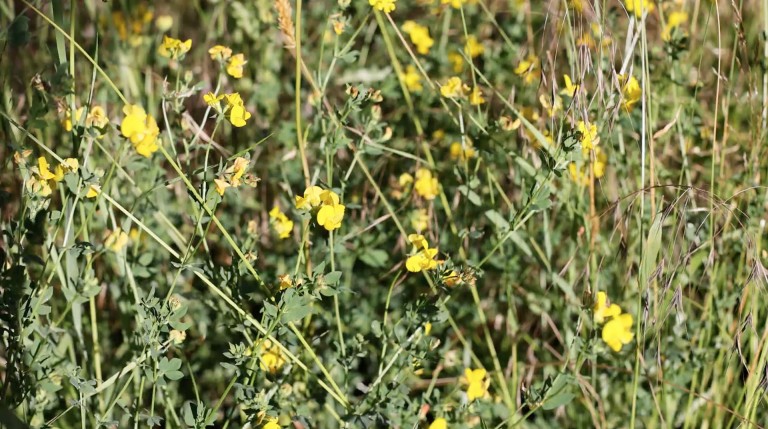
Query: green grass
[(151, 284)]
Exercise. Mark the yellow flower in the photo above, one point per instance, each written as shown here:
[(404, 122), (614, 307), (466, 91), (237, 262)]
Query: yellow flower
[(457, 61), (576, 5), (589, 137), (420, 220), (462, 153), (213, 100), (235, 65), (418, 241), (39, 186), (271, 359), (93, 191), (221, 185), (427, 330), (602, 311), (237, 170), (630, 92), (551, 108), (234, 110), (328, 197), (385, 6), (570, 89), (599, 164), (475, 381), (674, 20), (310, 199), (639, 6), (164, 23), (43, 171), (456, 4), (423, 260), (405, 179), (426, 185), (282, 224), (617, 332), (453, 88), (476, 97), (419, 36), (116, 240), (284, 281), (412, 79), (439, 423), (529, 69), (330, 216), (474, 48), (140, 129), (220, 53), (96, 118), (271, 423), (174, 48), (451, 278)]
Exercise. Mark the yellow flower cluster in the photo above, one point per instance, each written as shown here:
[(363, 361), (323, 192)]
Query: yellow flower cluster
[(234, 176), (130, 27), (412, 79), (675, 20), (424, 258), (426, 185), (280, 221), (477, 386), (330, 213), (639, 6), (456, 4), (581, 175), (96, 118), (473, 48), (454, 88), (386, 6), (631, 92), (141, 129), (235, 64), (588, 139), (174, 48), (529, 69), (271, 359), (462, 153), (233, 108), (116, 240), (43, 181), (617, 329), (570, 88), (419, 36)]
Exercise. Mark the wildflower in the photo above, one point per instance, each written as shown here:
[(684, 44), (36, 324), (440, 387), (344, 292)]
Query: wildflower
[(271, 423), (282, 224), (174, 48), (271, 358), (235, 65), (473, 48), (405, 179), (213, 100), (42, 169), (176, 336), (462, 152), (576, 5), (164, 23), (284, 281), (311, 198), (386, 6), (551, 108), (116, 240), (439, 423), (588, 133), (476, 97), (221, 185), (453, 88), (234, 109), (412, 79), (529, 69), (141, 129), (451, 278), (237, 170), (330, 215), (475, 381), (602, 310), (639, 6), (220, 53), (570, 89), (617, 331), (674, 20), (424, 258), (427, 330), (426, 185), (420, 220), (630, 91), (457, 61), (456, 4), (93, 191), (419, 36)]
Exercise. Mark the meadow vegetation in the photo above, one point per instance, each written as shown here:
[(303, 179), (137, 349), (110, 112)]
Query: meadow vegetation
[(383, 214)]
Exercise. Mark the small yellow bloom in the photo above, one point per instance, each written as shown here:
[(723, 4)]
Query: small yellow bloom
[(420, 220), (43, 171), (177, 337), (674, 20), (630, 92), (271, 359), (93, 191), (330, 216), (284, 281), (234, 109), (221, 185), (271, 423), (617, 332), (405, 179), (529, 69), (418, 241), (457, 61), (39, 186), (235, 66), (237, 170), (116, 240), (462, 153), (473, 48), (426, 185), (456, 4), (602, 311), (174, 48), (476, 97), (220, 53), (639, 6), (419, 36), (141, 129), (423, 260), (453, 88), (282, 224), (476, 384), (451, 278), (439, 423), (213, 100), (311, 198), (412, 79), (427, 330), (164, 23), (386, 6), (570, 88), (589, 139)]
